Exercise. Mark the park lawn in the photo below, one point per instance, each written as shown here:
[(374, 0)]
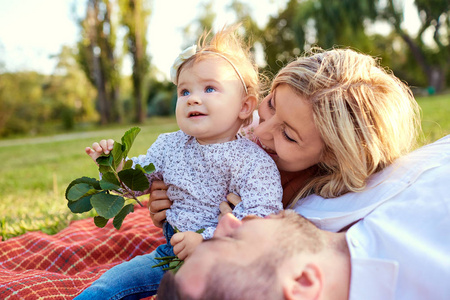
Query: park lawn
[(36, 172), (35, 175), (435, 117)]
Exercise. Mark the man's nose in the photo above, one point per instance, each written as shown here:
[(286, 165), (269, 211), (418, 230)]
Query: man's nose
[(227, 225)]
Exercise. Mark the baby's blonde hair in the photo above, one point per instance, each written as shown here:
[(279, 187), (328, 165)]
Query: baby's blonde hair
[(228, 43), (366, 116)]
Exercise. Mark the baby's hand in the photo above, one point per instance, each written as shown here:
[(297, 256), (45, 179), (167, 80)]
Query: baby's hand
[(184, 243), (100, 148)]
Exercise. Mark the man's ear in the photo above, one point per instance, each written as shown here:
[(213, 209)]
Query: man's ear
[(306, 285), (248, 106)]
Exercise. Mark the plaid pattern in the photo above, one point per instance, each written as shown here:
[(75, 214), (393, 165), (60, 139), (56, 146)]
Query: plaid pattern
[(40, 266)]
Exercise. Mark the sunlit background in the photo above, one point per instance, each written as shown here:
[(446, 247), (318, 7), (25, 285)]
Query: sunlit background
[(67, 77), (33, 32)]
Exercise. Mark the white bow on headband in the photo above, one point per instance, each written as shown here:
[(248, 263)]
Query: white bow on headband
[(192, 50), (188, 52)]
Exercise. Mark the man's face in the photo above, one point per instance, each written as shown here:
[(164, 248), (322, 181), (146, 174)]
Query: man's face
[(240, 242)]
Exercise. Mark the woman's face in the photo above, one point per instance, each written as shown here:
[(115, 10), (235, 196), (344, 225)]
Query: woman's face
[(287, 131)]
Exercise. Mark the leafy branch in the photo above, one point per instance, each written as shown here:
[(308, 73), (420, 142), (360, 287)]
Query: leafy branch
[(107, 196)]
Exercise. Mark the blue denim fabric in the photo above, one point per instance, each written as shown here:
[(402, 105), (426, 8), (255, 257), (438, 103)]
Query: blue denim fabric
[(134, 279)]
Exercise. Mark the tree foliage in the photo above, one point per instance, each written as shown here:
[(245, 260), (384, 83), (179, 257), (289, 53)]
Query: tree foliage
[(433, 59), (134, 16), (327, 23), (29, 101), (98, 59)]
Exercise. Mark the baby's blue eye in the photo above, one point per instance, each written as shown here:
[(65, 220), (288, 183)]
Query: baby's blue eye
[(209, 89), (185, 93)]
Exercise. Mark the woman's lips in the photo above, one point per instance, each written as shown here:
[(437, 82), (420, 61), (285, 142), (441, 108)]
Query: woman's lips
[(267, 149)]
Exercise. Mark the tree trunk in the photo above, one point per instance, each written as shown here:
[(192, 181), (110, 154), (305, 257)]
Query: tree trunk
[(99, 80), (138, 58)]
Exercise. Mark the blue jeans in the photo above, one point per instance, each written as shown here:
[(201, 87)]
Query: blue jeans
[(134, 279)]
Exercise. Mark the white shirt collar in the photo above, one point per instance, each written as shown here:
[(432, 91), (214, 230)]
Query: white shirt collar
[(336, 213)]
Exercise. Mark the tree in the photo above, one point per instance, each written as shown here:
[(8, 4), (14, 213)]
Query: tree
[(21, 108), (69, 92), (325, 23), (134, 15), (97, 59), (434, 60), (329, 23)]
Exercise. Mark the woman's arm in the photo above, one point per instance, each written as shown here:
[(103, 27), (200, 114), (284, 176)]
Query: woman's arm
[(158, 203)]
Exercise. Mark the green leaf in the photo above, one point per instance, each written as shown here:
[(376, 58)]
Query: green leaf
[(118, 220), (128, 139), (150, 168), (106, 185), (100, 221), (135, 179), (79, 191), (106, 160), (105, 163), (92, 181), (175, 265), (128, 164), (117, 153), (107, 205), (109, 181), (80, 206)]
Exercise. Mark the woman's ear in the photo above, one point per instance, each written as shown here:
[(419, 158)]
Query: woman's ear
[(307, 285), (248, 106)]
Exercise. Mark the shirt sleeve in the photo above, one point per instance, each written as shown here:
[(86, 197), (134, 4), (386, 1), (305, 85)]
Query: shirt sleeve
[(208, 233), (259, 186)]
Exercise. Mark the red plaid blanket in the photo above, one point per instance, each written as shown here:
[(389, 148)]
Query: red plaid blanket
[(40, 266)]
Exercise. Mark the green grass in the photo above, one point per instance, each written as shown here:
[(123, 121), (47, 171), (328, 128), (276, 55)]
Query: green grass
[(35, 172), (435, 117), (35, 175)]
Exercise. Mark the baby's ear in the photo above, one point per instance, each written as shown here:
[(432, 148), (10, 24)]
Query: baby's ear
[(248, 106)]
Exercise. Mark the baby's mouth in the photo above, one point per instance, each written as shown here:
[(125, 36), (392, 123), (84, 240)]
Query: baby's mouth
[(195, 114)]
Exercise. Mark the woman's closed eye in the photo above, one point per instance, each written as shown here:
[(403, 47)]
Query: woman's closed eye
[(283, 130), (287, 137)]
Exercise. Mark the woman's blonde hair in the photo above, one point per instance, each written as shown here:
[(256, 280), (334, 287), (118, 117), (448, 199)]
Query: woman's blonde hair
[(366, 116), (229, 43)]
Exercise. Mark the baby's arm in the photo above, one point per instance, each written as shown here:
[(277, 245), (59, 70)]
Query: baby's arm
[(184, 243)]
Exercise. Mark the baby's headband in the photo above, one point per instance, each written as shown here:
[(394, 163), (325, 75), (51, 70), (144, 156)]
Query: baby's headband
[(192, 50)]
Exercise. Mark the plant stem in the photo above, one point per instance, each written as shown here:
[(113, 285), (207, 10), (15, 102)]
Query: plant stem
[(130, 192)]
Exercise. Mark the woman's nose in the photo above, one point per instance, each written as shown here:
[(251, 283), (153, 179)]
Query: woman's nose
[(265, 128), (227, 225)]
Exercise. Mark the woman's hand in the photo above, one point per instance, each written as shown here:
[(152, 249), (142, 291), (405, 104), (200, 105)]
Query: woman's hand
[(158, 203), (227, 206)]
